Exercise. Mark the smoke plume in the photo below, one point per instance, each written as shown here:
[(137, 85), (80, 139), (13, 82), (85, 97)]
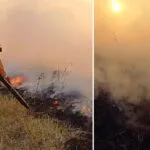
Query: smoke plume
[(122, 57)]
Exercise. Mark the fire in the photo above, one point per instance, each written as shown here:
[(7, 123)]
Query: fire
[(17, 80), (55, 104)]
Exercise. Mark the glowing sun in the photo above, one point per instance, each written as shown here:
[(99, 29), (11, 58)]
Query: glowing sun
[(116, 6)]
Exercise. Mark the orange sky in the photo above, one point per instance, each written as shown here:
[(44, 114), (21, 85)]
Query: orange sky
[(126, 32)]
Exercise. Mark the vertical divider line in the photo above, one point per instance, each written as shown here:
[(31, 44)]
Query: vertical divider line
[(92, 5)]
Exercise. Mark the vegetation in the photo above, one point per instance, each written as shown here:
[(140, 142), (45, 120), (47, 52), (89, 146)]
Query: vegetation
[(21, 129), (44, 126)]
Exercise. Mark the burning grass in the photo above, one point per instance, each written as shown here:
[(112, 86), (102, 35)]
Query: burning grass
[(20, 129), (53, 121), (53, 99)]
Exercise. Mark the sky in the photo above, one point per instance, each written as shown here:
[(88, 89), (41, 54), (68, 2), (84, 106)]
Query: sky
[(40, 35), (122, 47)]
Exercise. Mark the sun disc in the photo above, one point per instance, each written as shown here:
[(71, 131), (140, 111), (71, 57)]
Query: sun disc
[(116, 6)]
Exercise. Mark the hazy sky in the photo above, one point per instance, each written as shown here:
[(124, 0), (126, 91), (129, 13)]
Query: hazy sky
[(45, 33), (122, 40)]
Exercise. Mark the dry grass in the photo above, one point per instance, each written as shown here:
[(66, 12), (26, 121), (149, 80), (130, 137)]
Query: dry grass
[(21, 131)]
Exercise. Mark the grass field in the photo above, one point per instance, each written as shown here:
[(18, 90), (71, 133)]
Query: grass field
[(21, 130)]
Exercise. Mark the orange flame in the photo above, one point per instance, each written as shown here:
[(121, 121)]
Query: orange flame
[(55, 104), (17, 81)]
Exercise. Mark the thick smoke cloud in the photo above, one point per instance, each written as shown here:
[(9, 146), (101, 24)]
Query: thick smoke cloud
[(123, 50)]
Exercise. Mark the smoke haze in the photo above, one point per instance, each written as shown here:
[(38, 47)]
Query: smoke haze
[(122, 46), (36, 36)]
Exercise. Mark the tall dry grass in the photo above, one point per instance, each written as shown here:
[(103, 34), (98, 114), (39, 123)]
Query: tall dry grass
[(22, 130)]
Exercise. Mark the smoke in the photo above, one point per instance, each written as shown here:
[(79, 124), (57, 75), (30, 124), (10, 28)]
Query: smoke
[(124, 80), (123, 67), (36, 36)]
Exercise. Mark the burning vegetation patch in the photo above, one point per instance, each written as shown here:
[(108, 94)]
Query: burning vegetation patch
[(17, 80), (51, 103)]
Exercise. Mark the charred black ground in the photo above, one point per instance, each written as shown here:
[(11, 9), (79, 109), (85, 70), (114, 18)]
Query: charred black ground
[(120, 125)]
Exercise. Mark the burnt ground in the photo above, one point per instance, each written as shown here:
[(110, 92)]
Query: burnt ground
[(121, 126)]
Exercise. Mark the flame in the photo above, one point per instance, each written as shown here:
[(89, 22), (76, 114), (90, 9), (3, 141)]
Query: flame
[(55, 104), (17, 80)]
